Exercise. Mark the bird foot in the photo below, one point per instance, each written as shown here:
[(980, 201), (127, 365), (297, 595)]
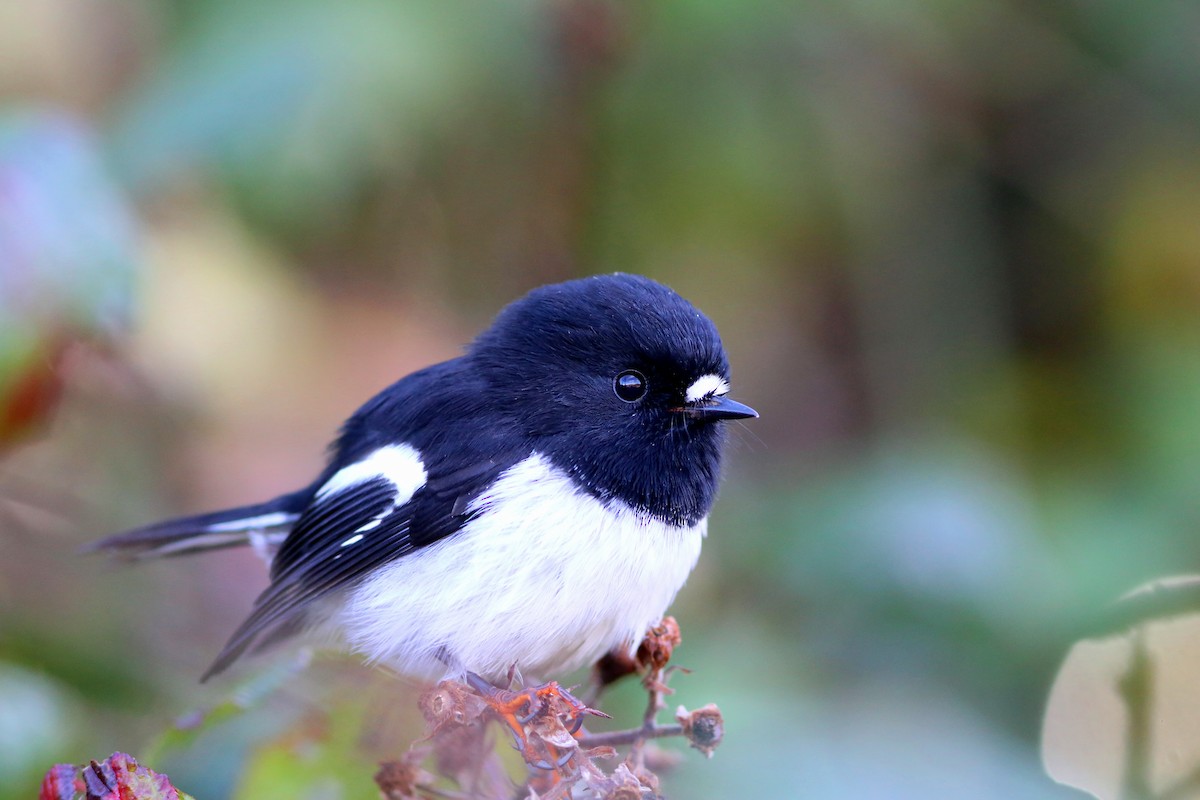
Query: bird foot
[(544, 721)]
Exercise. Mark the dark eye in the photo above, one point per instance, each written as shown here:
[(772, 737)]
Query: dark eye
[(630, 385)]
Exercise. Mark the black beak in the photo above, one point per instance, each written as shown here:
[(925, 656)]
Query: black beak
[(717, 408)]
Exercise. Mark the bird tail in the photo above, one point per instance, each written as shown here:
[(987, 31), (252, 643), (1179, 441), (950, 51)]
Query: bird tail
[(263, 525)]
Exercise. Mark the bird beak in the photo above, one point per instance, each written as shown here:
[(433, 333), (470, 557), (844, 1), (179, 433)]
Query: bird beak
[(717, 408)]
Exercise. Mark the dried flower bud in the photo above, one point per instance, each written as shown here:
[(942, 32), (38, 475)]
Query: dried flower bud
[(704, 727), (398, 780), (625, 791), (624, 785), (449, 703), (647, 779), (652, 655), (613, 666), (655, 650)]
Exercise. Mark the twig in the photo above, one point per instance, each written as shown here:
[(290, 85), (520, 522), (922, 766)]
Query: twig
[(630, 736), (656, 686)]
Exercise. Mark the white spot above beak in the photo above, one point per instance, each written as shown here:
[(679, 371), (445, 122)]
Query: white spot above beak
[(707, 386)]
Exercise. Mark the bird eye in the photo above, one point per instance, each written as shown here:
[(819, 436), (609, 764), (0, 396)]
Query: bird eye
[(630, 385)]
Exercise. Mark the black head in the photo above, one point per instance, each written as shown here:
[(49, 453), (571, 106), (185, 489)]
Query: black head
[(621, 382)]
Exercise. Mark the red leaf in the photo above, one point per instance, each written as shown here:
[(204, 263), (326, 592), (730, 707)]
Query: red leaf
[(60, 783), (31, 395)]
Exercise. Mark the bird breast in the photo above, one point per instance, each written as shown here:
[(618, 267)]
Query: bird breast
[(544, 576)]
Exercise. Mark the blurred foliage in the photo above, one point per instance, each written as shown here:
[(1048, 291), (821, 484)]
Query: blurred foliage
[(66, 258), (951, 246)]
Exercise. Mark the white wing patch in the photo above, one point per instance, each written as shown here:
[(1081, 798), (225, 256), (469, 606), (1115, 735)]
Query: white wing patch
[(707, 386), (399, 464)]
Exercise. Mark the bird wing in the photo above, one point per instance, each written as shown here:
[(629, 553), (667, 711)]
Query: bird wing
[(365, 515)]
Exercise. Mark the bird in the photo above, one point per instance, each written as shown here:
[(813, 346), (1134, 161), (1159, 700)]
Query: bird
[(532, 504)]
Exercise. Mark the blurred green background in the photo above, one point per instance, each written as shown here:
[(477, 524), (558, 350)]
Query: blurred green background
[(953, 249)]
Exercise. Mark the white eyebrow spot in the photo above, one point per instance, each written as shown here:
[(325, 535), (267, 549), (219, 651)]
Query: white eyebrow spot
[(707, 386)]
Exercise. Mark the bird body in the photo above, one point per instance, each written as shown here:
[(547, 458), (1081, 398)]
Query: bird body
[(535, 502), (592, 576)]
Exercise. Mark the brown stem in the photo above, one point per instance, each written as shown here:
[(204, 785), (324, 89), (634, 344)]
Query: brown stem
[(630, 736), (655, 684)]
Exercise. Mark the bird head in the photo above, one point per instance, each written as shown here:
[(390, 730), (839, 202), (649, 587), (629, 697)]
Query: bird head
[(621, 382)]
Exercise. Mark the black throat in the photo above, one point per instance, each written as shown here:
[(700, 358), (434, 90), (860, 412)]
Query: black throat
[(673, 478)]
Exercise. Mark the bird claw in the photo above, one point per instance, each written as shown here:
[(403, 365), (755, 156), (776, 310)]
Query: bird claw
[(543, 721), (535, 705), (561, 762)]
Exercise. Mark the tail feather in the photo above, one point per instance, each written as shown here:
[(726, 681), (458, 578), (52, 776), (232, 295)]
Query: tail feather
[(233, 527)]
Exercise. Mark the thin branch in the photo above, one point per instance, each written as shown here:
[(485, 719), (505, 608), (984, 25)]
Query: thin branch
[(629, 736)]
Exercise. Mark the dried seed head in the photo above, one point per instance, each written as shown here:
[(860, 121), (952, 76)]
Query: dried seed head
[(647, 779), (398, 780), (613, 666), (449, 703), (624, 785), (704, 727), (655, 650)]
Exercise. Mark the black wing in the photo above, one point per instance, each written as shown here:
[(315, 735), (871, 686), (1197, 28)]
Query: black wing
[(343, 535), (444, 414)]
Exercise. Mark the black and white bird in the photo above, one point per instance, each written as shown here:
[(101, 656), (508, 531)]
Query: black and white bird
[(536, 502)]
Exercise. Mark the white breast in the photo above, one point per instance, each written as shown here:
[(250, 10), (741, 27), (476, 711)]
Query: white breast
[(545, 577)]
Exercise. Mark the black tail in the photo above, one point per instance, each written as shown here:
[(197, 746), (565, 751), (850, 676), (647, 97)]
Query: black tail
[(232, 527)]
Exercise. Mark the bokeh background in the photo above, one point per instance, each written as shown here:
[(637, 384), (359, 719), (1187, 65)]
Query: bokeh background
[(953, 248)]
